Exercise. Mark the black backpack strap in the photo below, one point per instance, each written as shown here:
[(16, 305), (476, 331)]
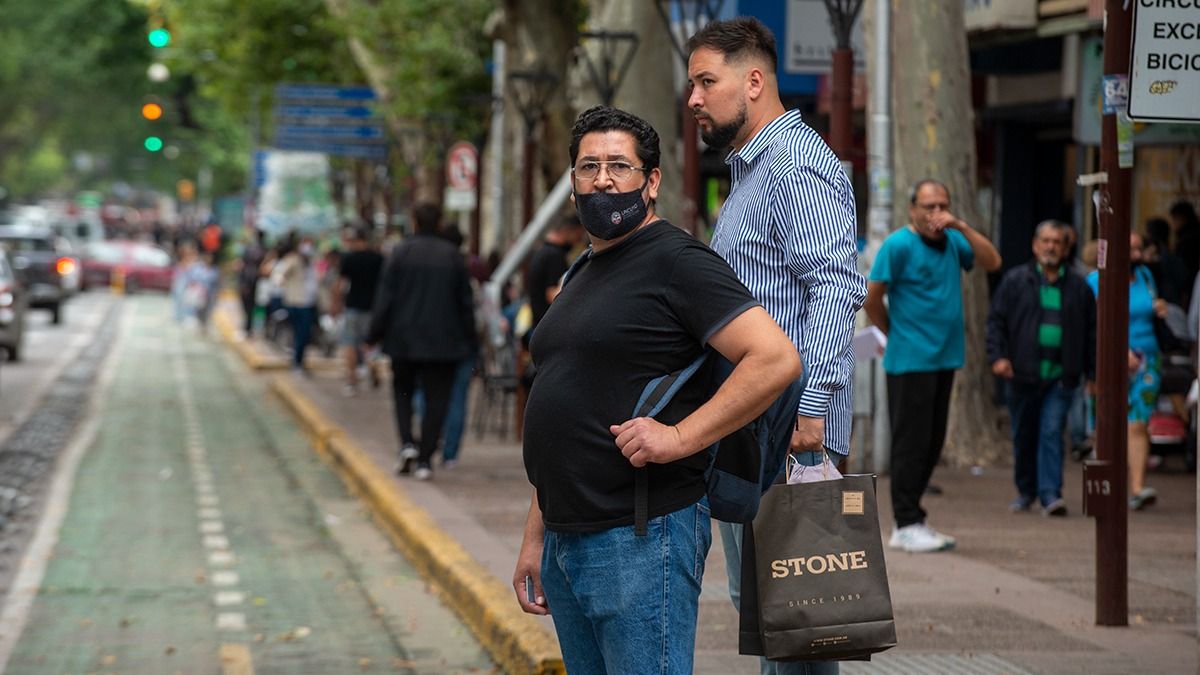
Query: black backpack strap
[(655, 396)]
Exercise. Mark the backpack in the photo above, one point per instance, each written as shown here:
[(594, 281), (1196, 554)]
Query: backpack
[(743, 465)]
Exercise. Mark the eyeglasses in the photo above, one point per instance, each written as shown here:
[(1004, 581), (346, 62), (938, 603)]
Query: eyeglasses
[(617, 170)]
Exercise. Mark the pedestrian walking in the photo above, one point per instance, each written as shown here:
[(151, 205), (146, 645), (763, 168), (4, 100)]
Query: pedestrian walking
[(352, 297), (456, 412), (647, 302), (919, 269), (296, 278), (248, 278), (1145, 368), (423, 317), (788, 231), (1041, 339)]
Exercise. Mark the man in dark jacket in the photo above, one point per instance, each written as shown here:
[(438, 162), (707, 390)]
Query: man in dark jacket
[(1041, 337), (423, 317)]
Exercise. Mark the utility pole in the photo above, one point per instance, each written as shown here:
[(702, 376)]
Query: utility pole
[(1105, 481), (879, 200)]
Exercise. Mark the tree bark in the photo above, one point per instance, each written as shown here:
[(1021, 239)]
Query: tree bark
[(934, 137)]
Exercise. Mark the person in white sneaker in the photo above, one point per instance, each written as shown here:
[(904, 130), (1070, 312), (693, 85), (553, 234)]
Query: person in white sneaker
[(919, 269)]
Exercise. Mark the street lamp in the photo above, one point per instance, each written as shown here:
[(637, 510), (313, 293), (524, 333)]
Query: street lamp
[(531, 90), (842, 14), (692, 15), (607, 71)]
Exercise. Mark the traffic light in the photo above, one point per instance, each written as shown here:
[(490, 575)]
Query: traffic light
[(159, 38), (152, 111), (153, 143)]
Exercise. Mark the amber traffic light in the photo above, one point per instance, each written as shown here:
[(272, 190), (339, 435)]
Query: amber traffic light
[(152, 111)]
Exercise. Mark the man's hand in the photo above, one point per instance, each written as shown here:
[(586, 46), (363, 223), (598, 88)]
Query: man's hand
[(644, 440), (809, 433), (943, 220), (1135, 362), (529, 564), (1002, 368)]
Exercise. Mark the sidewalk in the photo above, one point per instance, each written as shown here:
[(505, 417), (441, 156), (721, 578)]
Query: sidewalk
[(1015, 597)]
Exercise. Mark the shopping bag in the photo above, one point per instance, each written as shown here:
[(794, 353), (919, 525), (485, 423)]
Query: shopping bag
[(814, 582)]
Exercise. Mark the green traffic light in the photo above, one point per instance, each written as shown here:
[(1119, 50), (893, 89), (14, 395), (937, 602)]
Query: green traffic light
[(160, 37), (153, 143)]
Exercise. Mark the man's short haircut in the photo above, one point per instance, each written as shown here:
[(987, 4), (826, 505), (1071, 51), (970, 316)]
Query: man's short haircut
[(912, 195), (356, 232), (1050, 222), (604, 118), (427, 216), (737, 39)]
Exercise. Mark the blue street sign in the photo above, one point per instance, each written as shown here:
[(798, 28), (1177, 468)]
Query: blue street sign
[(329, 112), (376, 152), (360, 133), (323, 92)]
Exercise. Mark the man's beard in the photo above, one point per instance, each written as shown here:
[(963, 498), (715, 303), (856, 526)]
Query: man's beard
[(722, 135)]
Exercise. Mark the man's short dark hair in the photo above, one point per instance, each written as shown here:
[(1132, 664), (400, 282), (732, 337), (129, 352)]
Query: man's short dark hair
[(912, 195), (736, 39), (427, 216), (605, 118)]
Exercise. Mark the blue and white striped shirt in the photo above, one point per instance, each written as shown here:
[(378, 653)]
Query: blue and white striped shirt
[(788, 231)]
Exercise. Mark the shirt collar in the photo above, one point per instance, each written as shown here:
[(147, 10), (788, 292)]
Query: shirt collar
[(765, 137)]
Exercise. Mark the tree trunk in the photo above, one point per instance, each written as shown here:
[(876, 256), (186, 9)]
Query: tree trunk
[(934, 137)]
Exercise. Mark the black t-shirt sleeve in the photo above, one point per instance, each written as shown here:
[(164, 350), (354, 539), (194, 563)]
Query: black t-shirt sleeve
[(704, 292)]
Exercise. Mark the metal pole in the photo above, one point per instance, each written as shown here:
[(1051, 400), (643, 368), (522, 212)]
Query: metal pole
[(1112, 559), (496, 140), (841, 103), (528, 161), (691, 168), (879, 199)]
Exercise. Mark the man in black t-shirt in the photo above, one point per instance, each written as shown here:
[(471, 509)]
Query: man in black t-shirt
[(648, 301), (550, 262), (358, 277)]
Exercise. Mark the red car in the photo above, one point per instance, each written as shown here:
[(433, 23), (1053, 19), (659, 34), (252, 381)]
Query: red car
[(145, 266)]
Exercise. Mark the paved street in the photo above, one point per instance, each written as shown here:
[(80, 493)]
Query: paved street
[(202, 534)]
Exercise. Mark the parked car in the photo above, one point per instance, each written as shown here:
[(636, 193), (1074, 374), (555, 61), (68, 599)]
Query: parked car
[(12, 310), (144, 266), (41, 268)]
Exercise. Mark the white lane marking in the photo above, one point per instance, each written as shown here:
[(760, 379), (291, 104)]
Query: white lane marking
[(204, 489), (24, 589), (227, 598), (212, 527), (209, 514), (208, 500), (221, 558), (216, 541), (231, 621), (225, 578)]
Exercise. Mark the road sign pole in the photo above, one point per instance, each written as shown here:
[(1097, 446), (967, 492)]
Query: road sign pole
[(1112, 556)]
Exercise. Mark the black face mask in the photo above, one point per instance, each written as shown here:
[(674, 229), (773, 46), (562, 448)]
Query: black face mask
[(611, 215)]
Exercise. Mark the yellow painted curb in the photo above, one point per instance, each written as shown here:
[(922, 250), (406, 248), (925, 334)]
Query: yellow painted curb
[(518, 642)]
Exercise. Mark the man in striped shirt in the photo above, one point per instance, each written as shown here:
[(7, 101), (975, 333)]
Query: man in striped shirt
[(788, 231), (1041, 338)]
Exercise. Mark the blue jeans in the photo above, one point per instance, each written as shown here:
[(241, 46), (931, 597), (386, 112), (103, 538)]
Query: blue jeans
[(456, 416), (301, 319), (623, 604), (731, 542), (1038, 412), (1077, 418)]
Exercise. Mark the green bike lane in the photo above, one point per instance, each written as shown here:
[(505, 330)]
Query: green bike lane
[(201, 524)]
